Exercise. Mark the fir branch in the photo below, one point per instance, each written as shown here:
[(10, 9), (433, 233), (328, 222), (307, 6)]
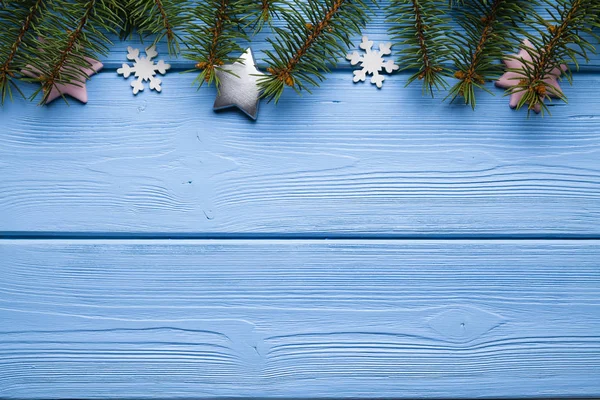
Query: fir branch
[(19, 20), (216, 36), (165, 20), (490, 32), (160, 18), (420, 27), (559, 41), (68, 39), (49, 80), (316, 34)]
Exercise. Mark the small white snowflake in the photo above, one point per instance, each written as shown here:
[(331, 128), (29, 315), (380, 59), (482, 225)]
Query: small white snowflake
[(372, 62), (143, 69)]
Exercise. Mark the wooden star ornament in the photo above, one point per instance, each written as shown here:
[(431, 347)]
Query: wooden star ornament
[(76, 88), (512, 77)]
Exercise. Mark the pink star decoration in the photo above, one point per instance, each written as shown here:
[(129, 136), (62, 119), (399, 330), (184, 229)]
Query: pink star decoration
[(77, 88), (511, 78)]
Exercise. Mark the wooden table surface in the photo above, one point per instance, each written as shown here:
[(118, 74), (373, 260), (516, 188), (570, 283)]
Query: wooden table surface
[(356, 243)]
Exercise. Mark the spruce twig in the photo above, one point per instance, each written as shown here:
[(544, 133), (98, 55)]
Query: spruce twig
[(160, 18), (215, 39), (559, 41), (491, 31), (316, 34), (67, 39), (419, 27), (50, 80), (19, 18)]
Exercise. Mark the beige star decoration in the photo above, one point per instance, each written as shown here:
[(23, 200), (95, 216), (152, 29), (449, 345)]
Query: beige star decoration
[(512, 78)]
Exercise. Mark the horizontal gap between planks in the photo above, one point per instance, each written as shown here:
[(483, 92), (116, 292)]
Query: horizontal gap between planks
[(374, 397), (280, 236)]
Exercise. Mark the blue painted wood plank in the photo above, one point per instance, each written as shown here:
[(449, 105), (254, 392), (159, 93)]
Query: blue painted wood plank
[(299, 319), (349, 160)]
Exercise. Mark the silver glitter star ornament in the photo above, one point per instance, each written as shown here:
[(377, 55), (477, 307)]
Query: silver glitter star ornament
[(238, 87)]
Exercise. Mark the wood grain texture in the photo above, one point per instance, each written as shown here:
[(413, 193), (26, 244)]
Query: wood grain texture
[(299, 319), (349, 160), (283, 318)]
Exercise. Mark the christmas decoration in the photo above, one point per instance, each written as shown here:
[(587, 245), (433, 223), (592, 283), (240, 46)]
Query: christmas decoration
[(436, 39), (238, 85), (516, 73), (76, 88), (372, 62), (72, 32), (563, 38), (144, 69), (487, 31)]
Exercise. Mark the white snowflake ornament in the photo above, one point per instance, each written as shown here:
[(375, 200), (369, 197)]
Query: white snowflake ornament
[(143, 69), (372, 62)]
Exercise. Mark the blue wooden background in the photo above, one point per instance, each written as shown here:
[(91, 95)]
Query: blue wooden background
[(355, 243)]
